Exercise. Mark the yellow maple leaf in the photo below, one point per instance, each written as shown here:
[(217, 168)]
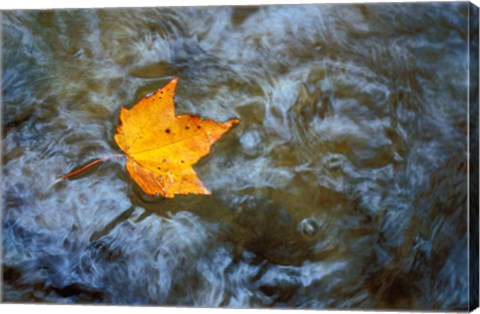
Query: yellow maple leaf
[(161, 147)]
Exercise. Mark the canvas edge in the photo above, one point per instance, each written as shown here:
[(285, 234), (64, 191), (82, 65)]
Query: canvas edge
[(473, 147)]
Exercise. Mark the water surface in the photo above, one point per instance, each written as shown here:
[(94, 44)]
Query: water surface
[(344, 185)]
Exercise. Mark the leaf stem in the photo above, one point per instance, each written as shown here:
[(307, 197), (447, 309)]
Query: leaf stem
[(91, 164)]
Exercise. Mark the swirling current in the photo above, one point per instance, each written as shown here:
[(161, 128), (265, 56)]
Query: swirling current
[(344, 186)]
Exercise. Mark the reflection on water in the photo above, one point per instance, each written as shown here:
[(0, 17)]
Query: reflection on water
[(344, 186)]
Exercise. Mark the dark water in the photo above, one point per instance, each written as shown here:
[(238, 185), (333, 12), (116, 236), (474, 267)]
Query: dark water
[(344, 185)]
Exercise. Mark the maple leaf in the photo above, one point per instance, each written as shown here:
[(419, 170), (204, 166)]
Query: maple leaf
[(161, 148)]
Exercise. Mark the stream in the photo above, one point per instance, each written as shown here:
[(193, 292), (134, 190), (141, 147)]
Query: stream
[(344, 186)]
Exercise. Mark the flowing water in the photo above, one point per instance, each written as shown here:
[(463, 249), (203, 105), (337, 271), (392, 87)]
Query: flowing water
[(344, 185)]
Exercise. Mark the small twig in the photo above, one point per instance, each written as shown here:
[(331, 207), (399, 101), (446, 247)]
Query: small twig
[(91, 164)]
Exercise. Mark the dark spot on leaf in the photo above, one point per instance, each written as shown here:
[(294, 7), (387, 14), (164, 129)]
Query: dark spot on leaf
[(183, 161), (167, 131), (159, 168), (187, 127), (164, 160), (199, 127)]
